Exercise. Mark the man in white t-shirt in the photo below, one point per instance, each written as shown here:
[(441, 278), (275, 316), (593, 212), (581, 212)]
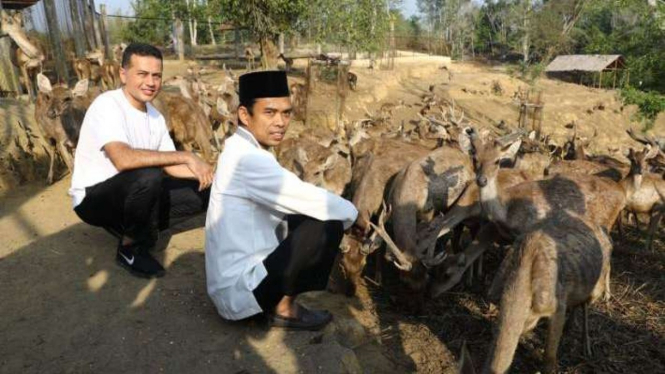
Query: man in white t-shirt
[(123, 154)]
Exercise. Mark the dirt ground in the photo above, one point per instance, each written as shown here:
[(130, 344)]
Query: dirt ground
[(66, 306)]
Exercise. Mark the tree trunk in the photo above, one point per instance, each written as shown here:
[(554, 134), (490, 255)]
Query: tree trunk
[(212, 35), (268, 53), (525, 25)]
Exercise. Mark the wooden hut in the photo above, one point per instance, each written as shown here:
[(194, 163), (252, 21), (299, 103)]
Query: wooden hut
[(587, 69)]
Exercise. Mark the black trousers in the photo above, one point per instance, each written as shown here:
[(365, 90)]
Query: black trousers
[(137, 203), (302, 262)]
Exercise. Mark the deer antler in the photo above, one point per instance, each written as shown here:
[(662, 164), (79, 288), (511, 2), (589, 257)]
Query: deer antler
[(401, 262)]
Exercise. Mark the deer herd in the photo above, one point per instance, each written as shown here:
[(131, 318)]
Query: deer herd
[(553, 206), (435, 192)]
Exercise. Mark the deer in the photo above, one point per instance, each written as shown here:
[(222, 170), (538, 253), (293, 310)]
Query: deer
[(560, 263), (186, 122), (26, 53), (352, 80), (645, 192), (249, 57), (59, 113), (517, 209), (110, 72), (288, 62), (299, 101), (375, 163), (326, 167)]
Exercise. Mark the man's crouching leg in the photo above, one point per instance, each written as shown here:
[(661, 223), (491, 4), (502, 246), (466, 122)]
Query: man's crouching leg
[(301, 263)]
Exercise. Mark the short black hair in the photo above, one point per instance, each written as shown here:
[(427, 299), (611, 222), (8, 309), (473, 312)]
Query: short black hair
[(249, 105), (139, 49)]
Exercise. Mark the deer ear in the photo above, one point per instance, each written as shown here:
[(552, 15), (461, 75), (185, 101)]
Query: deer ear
[(651, 152), (511, 150), (532, 135), (44, 83), (80, 88), (464, 141), (222, 108), (301, 156)]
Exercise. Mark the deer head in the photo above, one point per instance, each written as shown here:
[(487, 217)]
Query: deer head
[(59, 98), (638, 162), (487, 156)]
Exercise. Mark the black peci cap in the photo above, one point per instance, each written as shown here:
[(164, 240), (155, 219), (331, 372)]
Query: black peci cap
[(259, 84)]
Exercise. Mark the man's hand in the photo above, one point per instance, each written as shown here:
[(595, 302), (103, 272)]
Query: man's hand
[(201, 170)]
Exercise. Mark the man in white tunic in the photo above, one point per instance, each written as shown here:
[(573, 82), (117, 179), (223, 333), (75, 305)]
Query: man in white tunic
[(123, 154), (250, 269)]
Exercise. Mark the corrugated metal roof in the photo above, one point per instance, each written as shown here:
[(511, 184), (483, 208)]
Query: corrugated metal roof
[(582, 62)]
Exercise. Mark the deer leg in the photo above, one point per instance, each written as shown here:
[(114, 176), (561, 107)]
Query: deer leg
[(620, 226), (52, 155), (556, 323), (587, 341), (66, 156), (486, 236), (653, 226), (378, 269)]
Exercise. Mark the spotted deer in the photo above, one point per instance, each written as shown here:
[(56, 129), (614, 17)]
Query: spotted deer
[(517, 209), (560, 263), (645, 192), (59, 112)]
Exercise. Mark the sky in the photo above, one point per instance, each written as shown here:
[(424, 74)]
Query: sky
[(409, 7)]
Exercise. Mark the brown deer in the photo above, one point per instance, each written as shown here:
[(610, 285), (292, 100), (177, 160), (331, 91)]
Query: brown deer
[(517, 209), (288, 62), (561, 263), (110, 75), (186, 122), (352, 80), (375, 162), (26, 53), (326, 167), (249, 57), (59, 113), (645, 192)]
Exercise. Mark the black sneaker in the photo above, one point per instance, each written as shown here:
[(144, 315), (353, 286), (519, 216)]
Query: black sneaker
[(138, 261)]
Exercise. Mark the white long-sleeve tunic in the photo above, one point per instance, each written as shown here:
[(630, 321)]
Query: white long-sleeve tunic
[(250, 196)]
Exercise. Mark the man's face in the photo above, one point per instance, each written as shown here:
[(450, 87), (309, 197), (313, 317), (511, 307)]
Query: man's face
[(142, 79), (270, 120)]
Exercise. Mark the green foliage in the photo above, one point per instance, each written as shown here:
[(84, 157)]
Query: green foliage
[(357, 25), (264, 18), (648, 103)]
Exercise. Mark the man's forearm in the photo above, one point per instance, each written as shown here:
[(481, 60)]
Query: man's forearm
[(138, 158), (179, 171)]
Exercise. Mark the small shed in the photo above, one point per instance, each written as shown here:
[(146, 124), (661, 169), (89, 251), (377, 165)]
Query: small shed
[(586, 68)]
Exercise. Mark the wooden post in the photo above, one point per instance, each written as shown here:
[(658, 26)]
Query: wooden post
[(179, 34), (87, 25), (96, 27), (236, 41), (56, 42), (79, 35), (281, 43), (104, 32), (8, 80)]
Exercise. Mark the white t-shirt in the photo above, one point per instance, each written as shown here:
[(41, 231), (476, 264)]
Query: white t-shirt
[(111, 118)]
